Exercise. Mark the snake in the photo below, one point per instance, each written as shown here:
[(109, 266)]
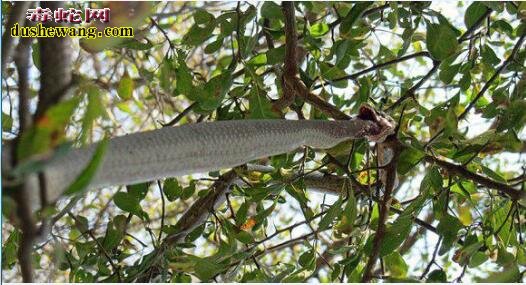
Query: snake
[(201, 148)]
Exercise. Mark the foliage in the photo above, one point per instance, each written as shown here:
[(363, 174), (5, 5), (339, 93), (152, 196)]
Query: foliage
[(452, 74)]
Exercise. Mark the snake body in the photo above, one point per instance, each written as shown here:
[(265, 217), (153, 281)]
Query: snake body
[(197, 148)]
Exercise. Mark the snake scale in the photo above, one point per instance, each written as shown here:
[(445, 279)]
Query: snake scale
[(203, 147)]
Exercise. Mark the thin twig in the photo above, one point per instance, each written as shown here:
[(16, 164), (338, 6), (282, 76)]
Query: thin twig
[(165, 34), (163, 210), (410, 93), (486, 86), (428, 267), (180, 116), (376, 67), (513, 193), (100, 246)]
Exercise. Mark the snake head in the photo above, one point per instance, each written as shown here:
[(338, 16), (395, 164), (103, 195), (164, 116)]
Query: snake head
[(385, 124)]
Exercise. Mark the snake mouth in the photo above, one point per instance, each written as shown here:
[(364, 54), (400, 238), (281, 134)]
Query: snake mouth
[(383, 126)]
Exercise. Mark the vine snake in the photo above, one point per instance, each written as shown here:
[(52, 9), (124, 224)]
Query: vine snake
[(200, 148)]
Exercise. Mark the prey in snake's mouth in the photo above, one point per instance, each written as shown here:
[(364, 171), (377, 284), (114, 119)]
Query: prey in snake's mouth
[(384, 126)]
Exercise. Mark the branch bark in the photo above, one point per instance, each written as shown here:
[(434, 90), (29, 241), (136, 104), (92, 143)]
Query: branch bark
[(26, 220), (201, 208), (460, 170), (385, 206), (290, 66), (376, 67), (55, 78), (56, 66), (18, 11)]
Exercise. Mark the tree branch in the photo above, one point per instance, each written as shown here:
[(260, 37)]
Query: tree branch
[(376, 67), (495, 75), (475, 26), (56, 66), (200, 209), (291, 39), (17, 15), (22, 66), (21, 196), (290, 65), (410, 93), (460, 170), (385, 206), (487, 85)]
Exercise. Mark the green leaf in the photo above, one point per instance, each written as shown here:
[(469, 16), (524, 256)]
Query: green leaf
[(489, 56), (477, 259), (261, 216), (260, 106), (112, 238), (129, 203), (502, 26), (49, 129), (396, 265), (331, 214), (448, 228), (276, 55), (166, 74), (409, 158), (448, 73), (307, 259), (271, 10), (89, 171), (437, 276), (195, 234), (206, 268), (258, 60), (507, 275), (318, 30), (135, 45), (10, 249), (514, 116), (138, 191), (188, 191), (241, 214), (35, 54), (126, 202), (499, 220), (214, 46), (94, 110), (172, 189), (125, 88), (82, 224), (492, 174), (441, 40), (244, 237), (451, 121), (331, 72), (184, 78), (473, 13), (197, 35), (7, 122), (201, 16), (213, 92), (350, 212), (354, 14), (465, 81)]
